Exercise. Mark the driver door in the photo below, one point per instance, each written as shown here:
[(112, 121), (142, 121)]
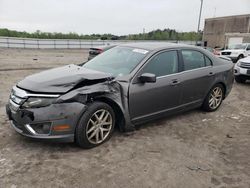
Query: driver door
[(149, 99)]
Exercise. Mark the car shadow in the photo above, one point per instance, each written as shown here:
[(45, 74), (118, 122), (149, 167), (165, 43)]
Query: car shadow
[(72, 147)]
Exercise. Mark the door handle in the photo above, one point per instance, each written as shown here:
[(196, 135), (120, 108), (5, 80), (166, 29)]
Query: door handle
[(210, 74), (175, 82)]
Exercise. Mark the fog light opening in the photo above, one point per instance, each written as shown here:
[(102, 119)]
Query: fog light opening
[(39, 128), (30, 129)]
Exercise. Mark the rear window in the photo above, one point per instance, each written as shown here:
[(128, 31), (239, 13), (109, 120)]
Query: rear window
[(193, 59)]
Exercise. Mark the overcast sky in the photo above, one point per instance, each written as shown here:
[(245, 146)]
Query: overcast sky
[(112, 16)]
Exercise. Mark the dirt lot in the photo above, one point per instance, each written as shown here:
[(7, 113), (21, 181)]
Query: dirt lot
[(193, 150)]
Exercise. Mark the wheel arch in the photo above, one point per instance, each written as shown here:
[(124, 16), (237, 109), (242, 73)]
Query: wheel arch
[(120, 119), (223, 85)]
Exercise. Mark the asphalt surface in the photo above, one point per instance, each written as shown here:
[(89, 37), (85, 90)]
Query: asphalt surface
[(191, 150)]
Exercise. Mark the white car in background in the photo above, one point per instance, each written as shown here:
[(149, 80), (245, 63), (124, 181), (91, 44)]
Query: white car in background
[(237, 51), (242, 70)]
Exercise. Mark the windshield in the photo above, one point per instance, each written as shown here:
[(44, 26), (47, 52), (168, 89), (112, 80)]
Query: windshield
[(118, 61), (237, 47)]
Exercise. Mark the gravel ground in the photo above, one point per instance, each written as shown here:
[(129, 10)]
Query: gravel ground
[(193, 150)]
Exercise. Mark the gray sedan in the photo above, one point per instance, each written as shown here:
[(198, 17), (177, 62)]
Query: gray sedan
[(124, 86)]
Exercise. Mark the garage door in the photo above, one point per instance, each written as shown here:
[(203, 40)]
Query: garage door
[(235, 40)]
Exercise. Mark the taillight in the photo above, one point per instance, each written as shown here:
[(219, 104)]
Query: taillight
[(100, 50)]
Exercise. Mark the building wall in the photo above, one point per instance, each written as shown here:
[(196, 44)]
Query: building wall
[(244, 36), (216, 28)]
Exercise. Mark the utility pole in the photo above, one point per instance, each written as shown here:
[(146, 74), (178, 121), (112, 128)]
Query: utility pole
[(199, 22), (143, 33), (214, 12)]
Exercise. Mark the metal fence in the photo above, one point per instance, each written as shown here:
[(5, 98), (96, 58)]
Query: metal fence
[(13, 42)]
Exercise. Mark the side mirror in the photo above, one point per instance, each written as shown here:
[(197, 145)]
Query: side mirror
[(147, 78)]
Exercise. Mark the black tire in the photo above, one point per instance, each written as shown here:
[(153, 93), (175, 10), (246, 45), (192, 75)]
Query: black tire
[(239, 79), (81, 137), (206, 106)]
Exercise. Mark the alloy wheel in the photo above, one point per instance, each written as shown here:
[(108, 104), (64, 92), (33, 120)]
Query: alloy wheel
[(215, 98), (99, 126)]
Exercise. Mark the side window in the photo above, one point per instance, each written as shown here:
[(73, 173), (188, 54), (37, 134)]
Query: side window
[(163, 64), (193, 59), (208, 61)]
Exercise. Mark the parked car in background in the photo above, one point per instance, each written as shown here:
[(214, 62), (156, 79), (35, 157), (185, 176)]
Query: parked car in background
[(237, 51), (242, 70), (98, 50), (127, 85)]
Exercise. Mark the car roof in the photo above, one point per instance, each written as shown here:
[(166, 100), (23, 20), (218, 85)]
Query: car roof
[(151, 46)]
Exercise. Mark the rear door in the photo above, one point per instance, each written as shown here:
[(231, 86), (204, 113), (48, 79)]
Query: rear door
[(197, 76)]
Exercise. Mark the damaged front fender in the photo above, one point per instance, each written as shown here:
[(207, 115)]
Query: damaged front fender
[(112, 92)]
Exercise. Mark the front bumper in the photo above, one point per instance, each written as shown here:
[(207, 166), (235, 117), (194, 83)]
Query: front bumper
[(241, 71), (26, 121), (60, 138)]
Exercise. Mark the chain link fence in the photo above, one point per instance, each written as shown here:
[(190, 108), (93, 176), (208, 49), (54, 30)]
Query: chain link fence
[(13, 42)]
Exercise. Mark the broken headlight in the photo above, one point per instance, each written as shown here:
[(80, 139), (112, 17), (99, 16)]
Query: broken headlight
[(34, 102)]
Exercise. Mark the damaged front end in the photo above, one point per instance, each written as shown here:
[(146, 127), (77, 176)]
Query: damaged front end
[(48, 121), (55, 116)]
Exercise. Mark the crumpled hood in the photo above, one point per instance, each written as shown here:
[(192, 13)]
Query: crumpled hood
[(62, 79)]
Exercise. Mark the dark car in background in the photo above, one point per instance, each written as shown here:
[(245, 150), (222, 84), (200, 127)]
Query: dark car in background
[(98, 50), (125, 86)]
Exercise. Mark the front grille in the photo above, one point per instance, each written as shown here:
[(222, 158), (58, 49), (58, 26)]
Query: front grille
[(226, 53), (245, 65), (19, 96)]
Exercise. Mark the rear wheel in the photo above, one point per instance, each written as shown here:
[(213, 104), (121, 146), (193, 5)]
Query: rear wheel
[(95, 126), (239, 79), (214, 98)]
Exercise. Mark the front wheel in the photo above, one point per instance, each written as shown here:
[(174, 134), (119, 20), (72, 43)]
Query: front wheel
[(214, 98), (95, 126)]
